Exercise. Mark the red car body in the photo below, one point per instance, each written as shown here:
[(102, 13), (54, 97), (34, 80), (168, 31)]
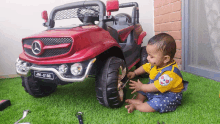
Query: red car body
[(88, 42), (106, 50)]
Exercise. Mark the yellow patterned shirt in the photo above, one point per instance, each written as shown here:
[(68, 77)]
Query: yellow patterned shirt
[(168, 81)]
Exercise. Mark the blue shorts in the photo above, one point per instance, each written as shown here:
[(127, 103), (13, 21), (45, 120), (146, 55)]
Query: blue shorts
[(163, 102)]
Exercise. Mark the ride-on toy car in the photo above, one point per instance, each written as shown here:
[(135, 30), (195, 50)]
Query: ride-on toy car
[(102, 46)]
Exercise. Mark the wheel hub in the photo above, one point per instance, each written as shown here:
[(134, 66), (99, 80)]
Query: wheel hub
[(121, 75)]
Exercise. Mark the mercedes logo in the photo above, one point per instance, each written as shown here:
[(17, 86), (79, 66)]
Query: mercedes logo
[(37, 47)]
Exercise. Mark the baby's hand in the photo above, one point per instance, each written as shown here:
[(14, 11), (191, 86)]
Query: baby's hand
[(135, 85), (131, 75)]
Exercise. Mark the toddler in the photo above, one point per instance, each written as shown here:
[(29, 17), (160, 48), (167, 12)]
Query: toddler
[(164, 90)]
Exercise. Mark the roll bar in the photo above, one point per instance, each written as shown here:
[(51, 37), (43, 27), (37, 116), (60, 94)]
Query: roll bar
[(135, 12), (102, 13)]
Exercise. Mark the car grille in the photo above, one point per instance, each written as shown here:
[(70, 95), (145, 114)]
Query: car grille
[(48, 42)]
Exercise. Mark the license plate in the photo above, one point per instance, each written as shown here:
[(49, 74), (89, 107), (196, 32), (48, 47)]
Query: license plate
[(44, 75)]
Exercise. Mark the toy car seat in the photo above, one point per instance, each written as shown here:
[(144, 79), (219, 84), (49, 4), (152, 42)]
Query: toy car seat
[(111, 6), (120, 21)]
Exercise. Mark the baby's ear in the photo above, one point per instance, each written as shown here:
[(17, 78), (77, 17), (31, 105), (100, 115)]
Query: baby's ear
[(166, 58)]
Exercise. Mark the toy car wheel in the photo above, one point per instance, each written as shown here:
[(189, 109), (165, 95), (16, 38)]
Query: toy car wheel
[(37, 88), (143, 61), (109, 84)]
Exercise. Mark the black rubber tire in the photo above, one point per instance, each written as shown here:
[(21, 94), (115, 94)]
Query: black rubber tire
[(143, 60), (107, 82), (37, 88)]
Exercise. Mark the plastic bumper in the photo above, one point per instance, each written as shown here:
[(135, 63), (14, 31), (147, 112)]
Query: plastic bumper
[(24, 70)]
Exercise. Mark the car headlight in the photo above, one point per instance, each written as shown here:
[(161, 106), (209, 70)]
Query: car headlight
[(63, 69), (22, 66), (76, 69), (18, 64)]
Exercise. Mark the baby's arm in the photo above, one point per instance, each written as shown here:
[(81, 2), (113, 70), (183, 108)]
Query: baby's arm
[(149, 88), (136, 72), (138, 86), (139, 71)]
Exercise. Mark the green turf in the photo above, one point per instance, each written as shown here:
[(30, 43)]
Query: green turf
[(200, 105)]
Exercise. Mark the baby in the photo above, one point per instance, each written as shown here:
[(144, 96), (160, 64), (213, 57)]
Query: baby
[(164, 90)]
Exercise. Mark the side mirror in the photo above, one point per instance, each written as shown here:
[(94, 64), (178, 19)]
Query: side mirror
[(111, 6), (44, 16)]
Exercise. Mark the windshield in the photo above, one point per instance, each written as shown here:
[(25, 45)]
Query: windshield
[(74, 17), (67, 23)]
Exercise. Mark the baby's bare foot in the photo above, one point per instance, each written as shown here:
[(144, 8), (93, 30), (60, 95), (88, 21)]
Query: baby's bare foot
[(130, 108), (133, 101)]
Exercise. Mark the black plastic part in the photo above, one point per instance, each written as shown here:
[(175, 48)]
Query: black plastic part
[(101, 5), (4, 104), (123, 19), (123, 5), (143, 61), (86, 18), (80, 119), (37, 88), (143, 55), (109, 18), (113, 33), (135, 12), (130, 48)]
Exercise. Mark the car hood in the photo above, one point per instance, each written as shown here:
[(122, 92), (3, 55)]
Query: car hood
[(59, 32)]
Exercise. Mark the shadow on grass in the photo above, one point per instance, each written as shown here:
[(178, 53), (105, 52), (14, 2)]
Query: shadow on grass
[(76, 89), (78, 93), (83, 91)]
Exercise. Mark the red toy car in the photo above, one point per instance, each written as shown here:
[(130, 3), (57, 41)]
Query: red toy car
[(102, 46)]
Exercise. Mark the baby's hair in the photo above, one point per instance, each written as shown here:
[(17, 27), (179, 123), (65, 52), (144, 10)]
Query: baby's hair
[(165, 43)]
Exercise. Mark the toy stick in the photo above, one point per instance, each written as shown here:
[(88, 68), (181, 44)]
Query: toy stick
[(134, 96)]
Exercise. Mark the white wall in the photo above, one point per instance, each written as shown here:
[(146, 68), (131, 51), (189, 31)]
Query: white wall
[(22, 18)]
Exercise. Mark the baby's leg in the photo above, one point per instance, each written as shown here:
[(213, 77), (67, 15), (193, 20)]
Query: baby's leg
[(143, 107), (139, 99)]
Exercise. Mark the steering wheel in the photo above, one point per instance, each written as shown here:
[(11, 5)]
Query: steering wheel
[(88, 15)]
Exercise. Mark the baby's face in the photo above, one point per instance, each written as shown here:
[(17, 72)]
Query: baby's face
[(155, 56)]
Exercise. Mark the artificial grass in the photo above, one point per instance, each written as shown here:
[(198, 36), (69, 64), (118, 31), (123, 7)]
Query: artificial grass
[(200, 105)]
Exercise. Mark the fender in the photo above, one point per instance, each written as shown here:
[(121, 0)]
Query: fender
[(123, 33), (141, 37)]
